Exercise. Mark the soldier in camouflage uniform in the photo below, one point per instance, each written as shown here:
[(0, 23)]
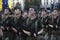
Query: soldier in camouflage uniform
[(5, 27), (1, 32), (18, 21), (53, 24), (34, 28), (45, 21)]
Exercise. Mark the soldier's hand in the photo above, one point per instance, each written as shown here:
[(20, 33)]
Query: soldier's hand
[(2, 28), (46, 26), (41, 31), (56, 26), (35, 35), (7, 28), (51, 26), (14, 30), (19, 33), (26, 32)]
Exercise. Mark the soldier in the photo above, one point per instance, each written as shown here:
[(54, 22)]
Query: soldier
[(18, 21), (58, 27), (45, 19), (1, 32), (56, 22), (5, 27), (53, 24), (24, 17), (33, 26)]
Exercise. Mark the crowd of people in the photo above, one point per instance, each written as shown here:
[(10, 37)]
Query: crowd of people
[(29, 24)]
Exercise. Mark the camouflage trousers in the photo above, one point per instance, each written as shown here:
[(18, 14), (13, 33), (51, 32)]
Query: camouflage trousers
[(39, 37), (5, 35), (9, 35), (19, 37), (58, 34), (50, 34)]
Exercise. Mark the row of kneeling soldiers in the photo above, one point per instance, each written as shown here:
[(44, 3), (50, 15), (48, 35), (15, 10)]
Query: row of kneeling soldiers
[(29, 25)]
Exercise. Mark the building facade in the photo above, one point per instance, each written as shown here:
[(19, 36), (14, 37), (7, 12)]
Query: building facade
[(48, 3)]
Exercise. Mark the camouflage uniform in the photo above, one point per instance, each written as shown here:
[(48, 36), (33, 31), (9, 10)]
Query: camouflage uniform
[(35, 27)]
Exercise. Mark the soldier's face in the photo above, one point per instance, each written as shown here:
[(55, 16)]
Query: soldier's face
[(6, 11), (25, 14), (55, 12), (43, 13), (32, 11), (54, 15), (17, 13)]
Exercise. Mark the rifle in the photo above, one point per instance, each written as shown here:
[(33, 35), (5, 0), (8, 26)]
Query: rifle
[(29, 29), (25, 27)]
